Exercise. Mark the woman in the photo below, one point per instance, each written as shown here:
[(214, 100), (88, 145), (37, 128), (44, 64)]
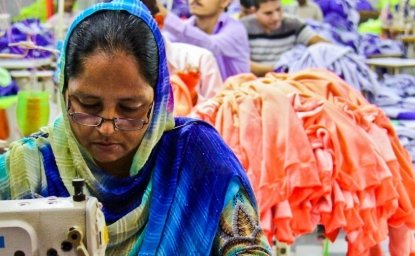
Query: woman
[(168, 186)]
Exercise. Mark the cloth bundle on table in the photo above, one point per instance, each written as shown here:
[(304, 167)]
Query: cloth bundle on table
[(397, 96), (25, 30), (397, 100), (363, 44), (183, 179), (317, 152), (338, 59)]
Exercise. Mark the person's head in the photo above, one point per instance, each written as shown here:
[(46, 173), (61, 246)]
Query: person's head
[(208, 8), (302, 2), (152, 6), (247, 7), (268, 14), (155, 12), (111, 70), (68, 5)]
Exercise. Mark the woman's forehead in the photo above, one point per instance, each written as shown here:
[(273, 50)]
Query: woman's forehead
[(114, 69), (116, 76)]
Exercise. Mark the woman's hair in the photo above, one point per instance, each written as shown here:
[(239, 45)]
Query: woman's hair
[(110, 32)]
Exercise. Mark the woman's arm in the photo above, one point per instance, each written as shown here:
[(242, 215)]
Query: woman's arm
[(239, 231)]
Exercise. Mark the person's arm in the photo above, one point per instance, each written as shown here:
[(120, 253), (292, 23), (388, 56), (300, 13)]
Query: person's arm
[(317, 39), (260, 69), (232, 41), (307, 36), (240, 215)]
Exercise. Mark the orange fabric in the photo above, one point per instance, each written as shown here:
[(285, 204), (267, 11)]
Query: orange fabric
[(403, 237), (387, 146), (4, 125), (182, 97), (316, 152), (190, 78), (49, 8)]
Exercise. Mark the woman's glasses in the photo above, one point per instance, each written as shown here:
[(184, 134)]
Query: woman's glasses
[(119, 123)]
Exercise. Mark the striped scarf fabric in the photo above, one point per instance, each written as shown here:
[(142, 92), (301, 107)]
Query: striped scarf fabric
[(172, 201)]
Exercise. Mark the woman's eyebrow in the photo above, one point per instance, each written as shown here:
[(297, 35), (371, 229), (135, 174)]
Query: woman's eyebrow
[(141, 99), (83, 95), (137, 98)]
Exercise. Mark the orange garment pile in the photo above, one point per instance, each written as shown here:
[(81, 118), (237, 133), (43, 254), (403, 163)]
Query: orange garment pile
[(184, 91), (317, 152)]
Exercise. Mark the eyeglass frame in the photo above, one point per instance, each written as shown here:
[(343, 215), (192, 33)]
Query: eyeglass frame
[(113, 120)]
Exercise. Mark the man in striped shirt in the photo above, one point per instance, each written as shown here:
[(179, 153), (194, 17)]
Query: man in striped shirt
[(271, 34)]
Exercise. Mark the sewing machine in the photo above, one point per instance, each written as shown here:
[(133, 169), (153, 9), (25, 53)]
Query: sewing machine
[(53, 226)]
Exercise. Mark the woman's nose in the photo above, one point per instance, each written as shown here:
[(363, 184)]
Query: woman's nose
[(107, 127)]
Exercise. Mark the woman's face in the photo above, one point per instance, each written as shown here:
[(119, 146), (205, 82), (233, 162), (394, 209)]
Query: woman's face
[(110, 86)]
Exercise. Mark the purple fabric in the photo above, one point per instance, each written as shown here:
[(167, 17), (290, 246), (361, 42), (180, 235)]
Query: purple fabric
[(338, 59), (29, 29), (364, 5), (228, 42), (181, 8), (340, 13), (339, 21), (397, 96), (406, 116), (333, 6), (365, 45), (402, 84), (371, 45), (9, 90)]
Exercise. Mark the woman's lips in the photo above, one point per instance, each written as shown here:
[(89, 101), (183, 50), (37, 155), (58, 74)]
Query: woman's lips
[(106, 146)]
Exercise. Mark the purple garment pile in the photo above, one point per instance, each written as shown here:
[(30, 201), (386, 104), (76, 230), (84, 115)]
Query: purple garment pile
[(9, 90), (341, 14), (397, 96), (338, 59), (406, 134), (364, 5), (397, 99), (363, 44), (25, 30), (371, 45)]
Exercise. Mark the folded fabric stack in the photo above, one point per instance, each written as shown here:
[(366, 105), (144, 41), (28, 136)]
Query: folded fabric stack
[(397, 96), (397, 99), (317, 152)]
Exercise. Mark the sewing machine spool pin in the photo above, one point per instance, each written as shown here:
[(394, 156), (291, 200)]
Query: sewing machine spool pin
[(78, 185)]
